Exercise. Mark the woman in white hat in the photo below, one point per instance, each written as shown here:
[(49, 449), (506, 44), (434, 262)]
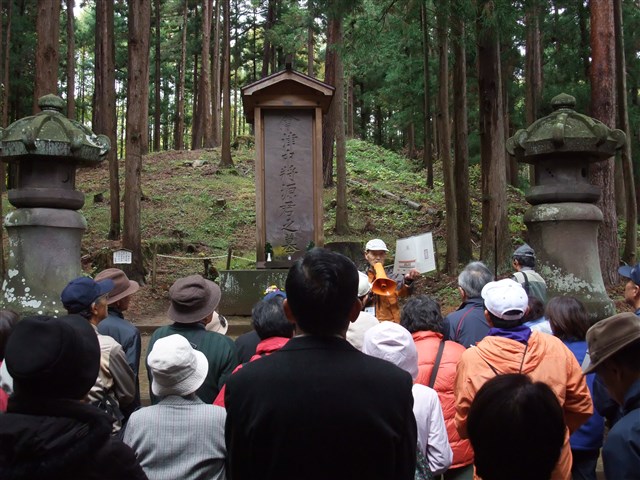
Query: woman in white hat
[(181, 436)]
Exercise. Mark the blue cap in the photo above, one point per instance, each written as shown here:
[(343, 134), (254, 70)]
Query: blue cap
[(80, 293), (630, 272), (277, 293)]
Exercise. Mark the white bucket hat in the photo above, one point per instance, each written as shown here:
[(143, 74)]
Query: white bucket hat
[(364, 286), (393, 343), (176, 368), (218, 324)]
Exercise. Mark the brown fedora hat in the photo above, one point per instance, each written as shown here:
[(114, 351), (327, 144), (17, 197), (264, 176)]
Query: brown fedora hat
[(609, 336), (193, 298), (123, 286)]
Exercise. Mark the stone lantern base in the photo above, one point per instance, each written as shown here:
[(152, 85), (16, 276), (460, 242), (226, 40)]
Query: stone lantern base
[(566, 240), (44, 255)]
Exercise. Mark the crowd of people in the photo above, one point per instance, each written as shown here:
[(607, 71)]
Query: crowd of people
[(337, 380)]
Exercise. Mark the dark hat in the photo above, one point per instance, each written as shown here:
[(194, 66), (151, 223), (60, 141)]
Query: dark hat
[(81, 292), (524, 250), (192, 299), (53, 357), (631, 272), (123, 287), (609, 336)]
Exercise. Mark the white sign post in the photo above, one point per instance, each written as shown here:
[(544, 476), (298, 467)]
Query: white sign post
[(415, 252)]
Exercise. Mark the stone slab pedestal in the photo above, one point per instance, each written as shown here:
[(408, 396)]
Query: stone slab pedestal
[(44, 247)]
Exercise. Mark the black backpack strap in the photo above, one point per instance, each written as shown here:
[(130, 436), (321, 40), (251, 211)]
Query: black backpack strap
[(436, 365)]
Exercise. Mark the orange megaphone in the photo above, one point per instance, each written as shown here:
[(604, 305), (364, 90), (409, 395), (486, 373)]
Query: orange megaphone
[(382, 285)]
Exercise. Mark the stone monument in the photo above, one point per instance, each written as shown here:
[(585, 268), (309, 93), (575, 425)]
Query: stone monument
[(286, 110), (45, 230), (563, 220)]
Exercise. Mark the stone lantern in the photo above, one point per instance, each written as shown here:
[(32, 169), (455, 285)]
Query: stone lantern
[(45, 230), (563, 220)]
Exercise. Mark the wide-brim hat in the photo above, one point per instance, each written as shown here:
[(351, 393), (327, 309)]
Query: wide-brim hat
[(53, 357), (123, 287), (176, 367), (609, 336), (193, 298)]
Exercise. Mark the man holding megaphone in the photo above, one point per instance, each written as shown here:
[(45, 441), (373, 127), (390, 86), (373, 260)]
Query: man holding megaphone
[(385, 289)]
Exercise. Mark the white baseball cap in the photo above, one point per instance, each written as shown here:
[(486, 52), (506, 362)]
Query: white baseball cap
[(506, 299), (376, 244)]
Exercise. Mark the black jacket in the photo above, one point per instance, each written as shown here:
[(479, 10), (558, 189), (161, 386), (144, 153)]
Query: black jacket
[(61, 439), (319, 409)]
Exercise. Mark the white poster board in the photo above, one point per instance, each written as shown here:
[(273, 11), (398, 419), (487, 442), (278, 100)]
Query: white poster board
[(415, 252)]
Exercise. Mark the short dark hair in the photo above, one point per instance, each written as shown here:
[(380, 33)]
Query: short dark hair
[(8, 320), (525, 261), (536, 309), (322, 287), (516, 428), (422, 313), (501, 323), (269, 320), (568, 318)]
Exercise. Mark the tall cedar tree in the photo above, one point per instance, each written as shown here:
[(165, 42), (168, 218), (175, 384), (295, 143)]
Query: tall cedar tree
[(494, 247), (71, 64), (342, 219), (444, 128), (180, 88), (225, 159), (603, 108), (104, 108), (47, 46), (631, 235), (136, 134)]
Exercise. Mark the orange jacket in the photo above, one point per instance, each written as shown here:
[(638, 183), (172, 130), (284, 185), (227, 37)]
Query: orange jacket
[(387, 308), (427, 344), (547, 360)]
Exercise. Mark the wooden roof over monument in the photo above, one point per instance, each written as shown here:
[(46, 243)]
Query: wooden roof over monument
[(286, 89)]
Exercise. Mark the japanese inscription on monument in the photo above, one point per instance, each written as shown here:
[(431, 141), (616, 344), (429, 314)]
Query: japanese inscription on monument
[(288, 181)]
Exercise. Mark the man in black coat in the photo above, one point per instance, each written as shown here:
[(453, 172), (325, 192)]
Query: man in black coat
[(318, 408)]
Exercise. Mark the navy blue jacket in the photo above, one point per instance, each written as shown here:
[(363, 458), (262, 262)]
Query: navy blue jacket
[(621, 452), (467, 325), (589, 435)]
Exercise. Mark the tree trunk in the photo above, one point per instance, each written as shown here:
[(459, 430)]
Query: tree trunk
[(310, 45), (427, 153), (204, 137), (104, 111), (179, 133), (328, 120), (451, 262), (71, 62), (137, 111), (351, 108), (533, 69), (226, 160), (215, 74), (603, 108), (631, 234), (5, 77), (461, 149), (267, 51), (47, 46), (494, 249), (342, 219), (156, 81)]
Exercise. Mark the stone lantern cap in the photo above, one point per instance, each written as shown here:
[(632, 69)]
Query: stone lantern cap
[(565, 133), (51, 134)]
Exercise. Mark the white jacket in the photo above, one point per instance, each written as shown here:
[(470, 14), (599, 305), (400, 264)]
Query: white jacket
[(394, 343)]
